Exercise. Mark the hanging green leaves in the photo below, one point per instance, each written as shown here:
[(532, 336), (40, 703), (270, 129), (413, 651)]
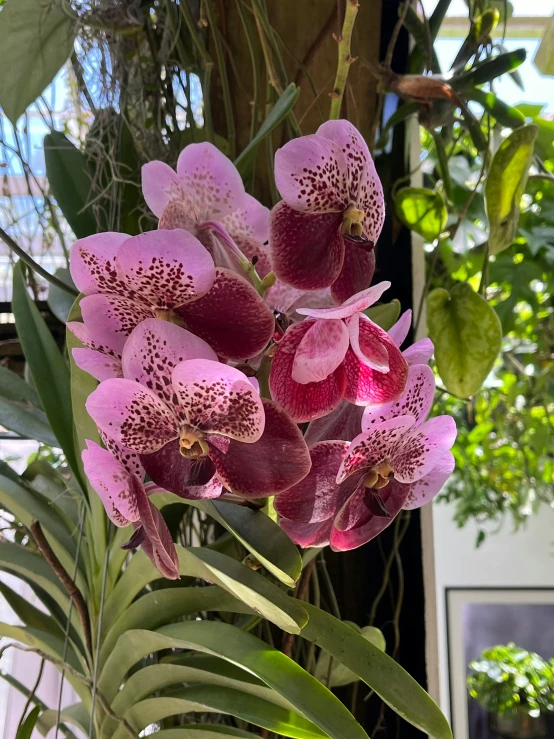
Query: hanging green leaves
[(505, 186), (422, 210), (467, 335)]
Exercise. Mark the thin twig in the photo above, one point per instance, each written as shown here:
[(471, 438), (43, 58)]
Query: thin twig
[(30, 262), (301, 593), (72, 589), (31, 695), (345, 58), (78, 676)]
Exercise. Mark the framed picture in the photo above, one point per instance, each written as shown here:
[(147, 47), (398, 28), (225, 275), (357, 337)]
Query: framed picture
[(478, 618)]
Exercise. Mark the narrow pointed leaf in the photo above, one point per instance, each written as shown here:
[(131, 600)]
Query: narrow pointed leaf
[(27, 727), (489, 70), (20, 409), (47, 365), (385, 676), (205, 731), (309, 697)]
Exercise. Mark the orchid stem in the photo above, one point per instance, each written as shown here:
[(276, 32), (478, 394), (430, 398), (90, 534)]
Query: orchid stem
[(30, 262), (345, 59)]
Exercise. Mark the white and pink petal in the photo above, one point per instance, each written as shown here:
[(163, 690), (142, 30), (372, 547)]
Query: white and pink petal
[(320, 351)]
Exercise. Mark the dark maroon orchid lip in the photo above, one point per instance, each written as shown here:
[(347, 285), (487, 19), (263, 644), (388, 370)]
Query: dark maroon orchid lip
[(363, 243)]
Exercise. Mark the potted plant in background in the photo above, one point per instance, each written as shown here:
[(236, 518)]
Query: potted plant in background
[(516, 687)]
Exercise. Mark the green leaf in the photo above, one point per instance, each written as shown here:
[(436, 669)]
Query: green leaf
[(161, 607), (339, 674), (505, 186), (505, 114), (59, 301), (48, 368), (404, 111), (422, 210), (52, 645), (245, 161), (219, 699), (544, 58), (263, 538), (205, 731), (20, 409), (488, 70), (386, 677), (245, 584), (384, 315), (69, 176), (37, 38), (28, 614), (467, 336), (75, 714), (26, 728), (305, 693)]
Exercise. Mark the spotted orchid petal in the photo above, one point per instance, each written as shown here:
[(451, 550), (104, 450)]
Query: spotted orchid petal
[(401, 328), (416, 400), (161, 186), (303, 402), (307, 250), (117, 488), (366, 386), (179, 214), (422, 448), (130, 460), (217, 398), (344, 423), (92, 263), (420, 352), (249, 223), (274, 463), (393, 497), (427, 487), (317, 497), (355, 304), (109, 319), (132, 415), (307, 534), (320, 351), (166, 268), (311, 174), (156, 540), (211, 180), (356, 273), (154, 348), (368, 449), (232, 318), (97, 364), (193, 479), (365, 187)]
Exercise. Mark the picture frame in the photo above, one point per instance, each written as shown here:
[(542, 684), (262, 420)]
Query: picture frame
[(506, 614)]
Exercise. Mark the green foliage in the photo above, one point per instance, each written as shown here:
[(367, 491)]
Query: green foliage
[(505, 186), (423, 211), (467, 336), (38, 39), (507, 677)]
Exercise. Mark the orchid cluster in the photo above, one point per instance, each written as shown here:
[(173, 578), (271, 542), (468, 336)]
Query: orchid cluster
[(235, 358)]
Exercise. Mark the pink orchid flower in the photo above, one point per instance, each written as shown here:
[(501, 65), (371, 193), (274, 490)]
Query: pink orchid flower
[(125, 500), (205, 196), (196, 423), (323, 232), (345, 422), (169, 275), (354, 491), (336, 353)]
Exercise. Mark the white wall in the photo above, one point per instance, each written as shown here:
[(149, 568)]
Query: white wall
[(505, 559)]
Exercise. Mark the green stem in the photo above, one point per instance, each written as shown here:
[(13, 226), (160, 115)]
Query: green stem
[(345, 59), (484, 272), (443, 164), (30, 262)]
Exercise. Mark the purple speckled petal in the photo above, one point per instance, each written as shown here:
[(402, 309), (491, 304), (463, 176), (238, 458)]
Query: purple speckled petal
[(117, 488), (109, 319), (422, 448), (312, 175), (416, 400), (425, 489), (92, 263), (97, 364)]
